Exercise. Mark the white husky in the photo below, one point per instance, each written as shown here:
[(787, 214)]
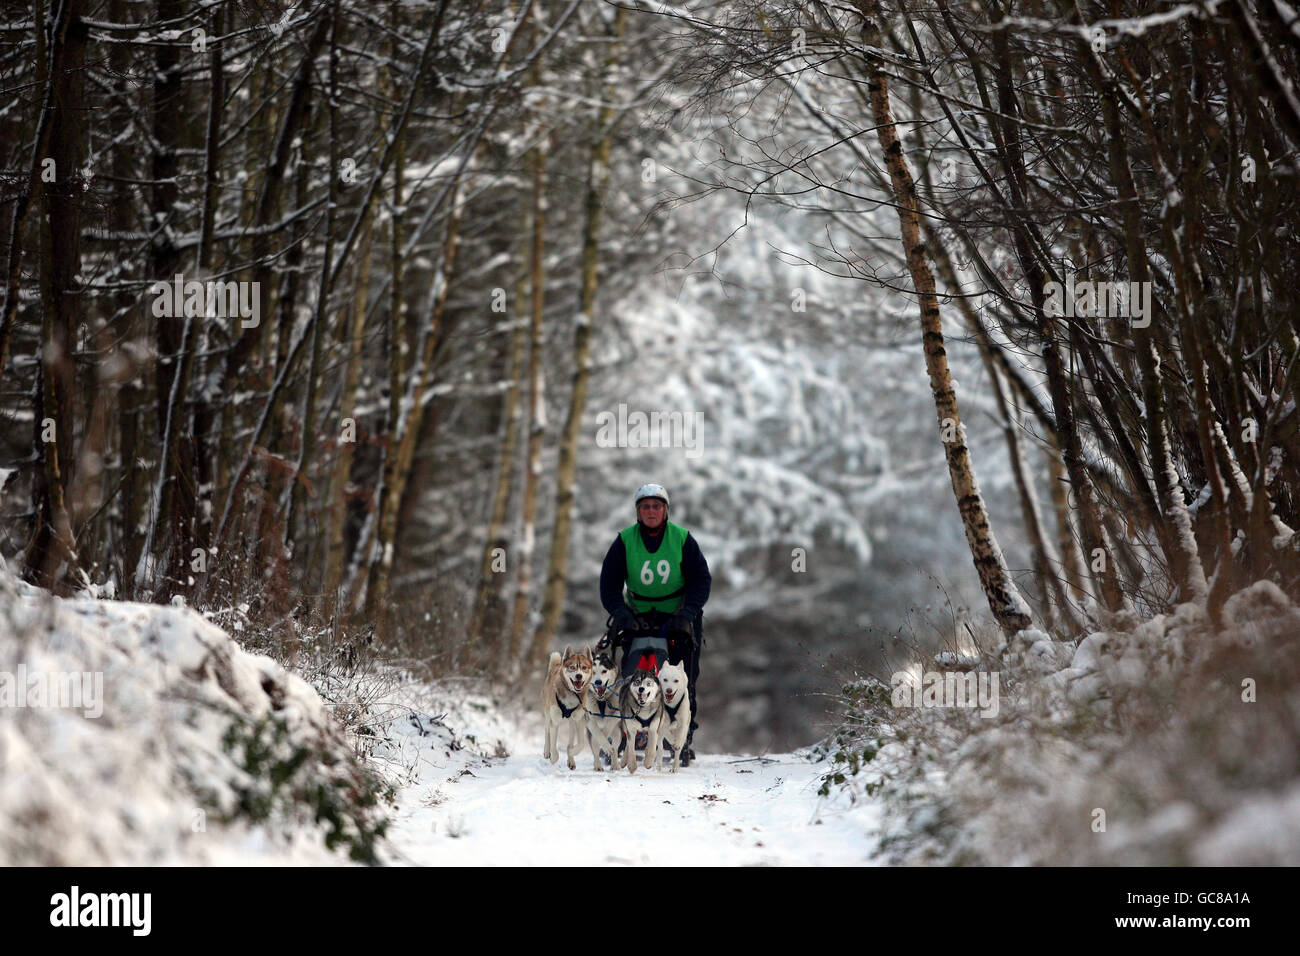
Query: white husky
[(677, 708)]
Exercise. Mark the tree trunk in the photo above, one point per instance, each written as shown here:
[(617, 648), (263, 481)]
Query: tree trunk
[(308, 448), (266, 208), (354, 341), (1046, 560), (1005, 601), (52, 553), (1102, 565), (488, 615), (1071, 561), (1184, 560), (130, 395), (52, 62), (205, 412), (397, 464), (536, 411), (174, 497), (566, 475)]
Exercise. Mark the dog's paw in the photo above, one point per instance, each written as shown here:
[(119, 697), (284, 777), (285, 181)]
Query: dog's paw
[(573, 764)]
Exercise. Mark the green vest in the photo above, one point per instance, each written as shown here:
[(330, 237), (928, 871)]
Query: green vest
[(655, 581)]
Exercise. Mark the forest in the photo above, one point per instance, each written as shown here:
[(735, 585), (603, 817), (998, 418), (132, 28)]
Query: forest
[(316, 315)]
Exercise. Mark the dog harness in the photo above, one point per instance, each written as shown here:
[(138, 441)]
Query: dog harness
[(568, 711), (672, 711)]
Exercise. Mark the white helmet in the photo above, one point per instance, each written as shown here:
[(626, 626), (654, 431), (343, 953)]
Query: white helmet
[(651, 491)]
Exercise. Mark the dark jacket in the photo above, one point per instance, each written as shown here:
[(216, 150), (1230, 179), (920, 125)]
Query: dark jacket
[(613, 573)]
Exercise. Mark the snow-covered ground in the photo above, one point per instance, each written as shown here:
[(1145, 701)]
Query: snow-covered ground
[(724, 810), (129, 734), (140, 734), (141, 767)]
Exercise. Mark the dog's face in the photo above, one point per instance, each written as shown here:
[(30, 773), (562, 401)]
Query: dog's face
[(644, 687), (603, 675), (577, 669), (672, 680)]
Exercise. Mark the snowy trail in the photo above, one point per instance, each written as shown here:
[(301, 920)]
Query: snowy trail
[(723, 810)]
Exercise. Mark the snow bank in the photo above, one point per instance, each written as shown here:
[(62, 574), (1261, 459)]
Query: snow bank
[(139, 734), (1171, 741)]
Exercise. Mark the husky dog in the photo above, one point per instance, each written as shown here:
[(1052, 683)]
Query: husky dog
[(643, 709), (567, 678), (604, 728), (677, 708)]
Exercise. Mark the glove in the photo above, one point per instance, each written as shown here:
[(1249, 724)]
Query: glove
[(684, 623), (624, 619)]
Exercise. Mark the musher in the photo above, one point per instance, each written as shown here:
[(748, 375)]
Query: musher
[(667, 583)]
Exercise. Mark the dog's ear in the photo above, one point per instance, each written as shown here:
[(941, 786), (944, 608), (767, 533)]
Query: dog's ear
[(586, 652), (568, 651)]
